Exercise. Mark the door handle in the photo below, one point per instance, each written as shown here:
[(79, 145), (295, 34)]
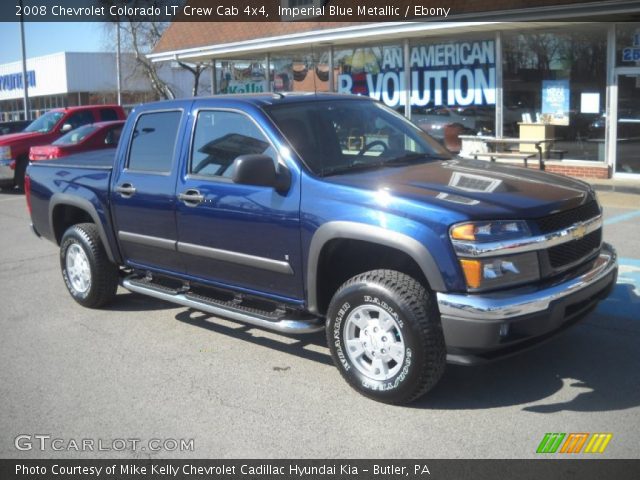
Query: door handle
[(191, 197), (126, 190)]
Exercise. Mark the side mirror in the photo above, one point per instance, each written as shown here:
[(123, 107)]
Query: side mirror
[(259, 170), (66, 128)]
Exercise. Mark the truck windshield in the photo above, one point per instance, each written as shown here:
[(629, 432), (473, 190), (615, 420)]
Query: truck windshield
[(45, 123), (341, 136), (76, 136)]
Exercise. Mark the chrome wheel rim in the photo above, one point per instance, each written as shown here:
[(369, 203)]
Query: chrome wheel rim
[(374, 342), (78, 269)]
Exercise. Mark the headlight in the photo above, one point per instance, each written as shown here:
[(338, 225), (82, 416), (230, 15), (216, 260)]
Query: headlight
[(490, 231), (507, 271), (492, 272), (5, 153)]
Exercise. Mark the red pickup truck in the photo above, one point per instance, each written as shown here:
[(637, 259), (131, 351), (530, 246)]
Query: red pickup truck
[(14, 147)]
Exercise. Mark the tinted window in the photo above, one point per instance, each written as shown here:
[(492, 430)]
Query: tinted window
[(220, 137), (113, 135), (77, 119), (108, 114), (153, 141)]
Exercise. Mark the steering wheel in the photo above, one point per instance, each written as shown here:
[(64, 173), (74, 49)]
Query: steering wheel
[(370, 145)]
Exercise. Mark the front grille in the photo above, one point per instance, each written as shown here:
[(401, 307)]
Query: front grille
[(567, 218), (572, 252)]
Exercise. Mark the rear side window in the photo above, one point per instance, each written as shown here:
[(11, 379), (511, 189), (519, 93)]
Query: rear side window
[(153, 142), (108, 114)]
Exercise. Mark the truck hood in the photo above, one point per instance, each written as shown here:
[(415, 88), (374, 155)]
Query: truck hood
[(475, 188), (10, 138)]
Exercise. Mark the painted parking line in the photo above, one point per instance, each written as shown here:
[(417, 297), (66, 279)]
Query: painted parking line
[(622, 217), (624, 301)]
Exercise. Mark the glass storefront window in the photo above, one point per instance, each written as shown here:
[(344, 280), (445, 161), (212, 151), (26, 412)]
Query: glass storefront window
[(301, 71), (628, 45), (453, 85), (242, 76), (558, 77)]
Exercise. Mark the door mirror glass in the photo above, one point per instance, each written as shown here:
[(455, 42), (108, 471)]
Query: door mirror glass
[(66, 128)]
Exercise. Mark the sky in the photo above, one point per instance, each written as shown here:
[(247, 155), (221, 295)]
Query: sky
[(44, 38)]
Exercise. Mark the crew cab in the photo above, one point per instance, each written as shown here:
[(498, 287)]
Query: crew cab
[(302, 213), (14, 147)]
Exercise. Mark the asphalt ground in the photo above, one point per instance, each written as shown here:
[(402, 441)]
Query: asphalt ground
[(144, 370)]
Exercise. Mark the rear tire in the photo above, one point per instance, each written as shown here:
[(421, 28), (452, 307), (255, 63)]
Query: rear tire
[(385, 336), (92, 280)]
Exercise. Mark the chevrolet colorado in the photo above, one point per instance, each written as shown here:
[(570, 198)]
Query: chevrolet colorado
[(300, 213)]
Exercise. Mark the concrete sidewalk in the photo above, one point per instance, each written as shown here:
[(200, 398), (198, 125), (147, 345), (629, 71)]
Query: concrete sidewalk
[(614, 185)]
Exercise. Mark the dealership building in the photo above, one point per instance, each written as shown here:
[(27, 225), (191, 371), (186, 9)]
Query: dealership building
[(554, 68), (68, 79)]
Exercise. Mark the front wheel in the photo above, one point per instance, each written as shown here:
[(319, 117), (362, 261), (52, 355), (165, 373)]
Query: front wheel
[(385, 336), (92, 280)]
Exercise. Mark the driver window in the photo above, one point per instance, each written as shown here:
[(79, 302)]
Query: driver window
[(220, 137)]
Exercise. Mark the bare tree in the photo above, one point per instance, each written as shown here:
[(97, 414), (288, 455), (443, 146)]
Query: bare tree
[(140, 36)]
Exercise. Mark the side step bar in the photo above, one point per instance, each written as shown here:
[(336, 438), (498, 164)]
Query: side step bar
[(282, 324)]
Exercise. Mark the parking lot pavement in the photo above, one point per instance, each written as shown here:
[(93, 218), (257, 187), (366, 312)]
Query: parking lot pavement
[(145, 369)]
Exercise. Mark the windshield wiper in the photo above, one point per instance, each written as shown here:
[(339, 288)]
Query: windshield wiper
[(412, 157), (397, 161)]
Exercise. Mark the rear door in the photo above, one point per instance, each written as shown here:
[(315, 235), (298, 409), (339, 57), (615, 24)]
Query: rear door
[(143, 191)]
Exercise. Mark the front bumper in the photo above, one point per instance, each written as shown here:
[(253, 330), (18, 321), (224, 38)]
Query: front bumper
[(7, 173), (480, 327)]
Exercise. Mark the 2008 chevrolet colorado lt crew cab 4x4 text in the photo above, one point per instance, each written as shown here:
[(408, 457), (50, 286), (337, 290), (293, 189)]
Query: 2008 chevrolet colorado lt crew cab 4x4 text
[(306, 212)]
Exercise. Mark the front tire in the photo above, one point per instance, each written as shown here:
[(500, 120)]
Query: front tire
[(92, 280), (385, 336)]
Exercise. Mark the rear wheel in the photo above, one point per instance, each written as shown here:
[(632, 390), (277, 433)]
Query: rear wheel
[(385, 336), (92, 280)]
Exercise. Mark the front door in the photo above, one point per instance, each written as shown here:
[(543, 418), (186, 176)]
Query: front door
[(243, 236), (627, 125)]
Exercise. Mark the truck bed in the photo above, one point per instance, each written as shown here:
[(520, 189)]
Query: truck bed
[(97, 159)]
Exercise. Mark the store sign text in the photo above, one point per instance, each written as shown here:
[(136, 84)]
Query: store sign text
[(13, 81), (453, 74), (632, 54)]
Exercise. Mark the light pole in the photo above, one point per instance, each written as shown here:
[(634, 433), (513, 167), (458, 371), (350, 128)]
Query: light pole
[(118, 74), (24, 66)]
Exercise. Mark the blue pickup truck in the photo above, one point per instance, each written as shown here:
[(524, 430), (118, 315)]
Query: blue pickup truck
[(309, 212)]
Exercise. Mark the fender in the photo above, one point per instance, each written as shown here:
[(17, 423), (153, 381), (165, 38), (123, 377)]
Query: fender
[(371, 233), (88, 207)]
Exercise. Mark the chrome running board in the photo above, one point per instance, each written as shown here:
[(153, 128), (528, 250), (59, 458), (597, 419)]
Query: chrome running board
[(276, 321)]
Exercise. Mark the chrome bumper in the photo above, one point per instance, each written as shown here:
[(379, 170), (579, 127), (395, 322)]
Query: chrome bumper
[(523, 301)]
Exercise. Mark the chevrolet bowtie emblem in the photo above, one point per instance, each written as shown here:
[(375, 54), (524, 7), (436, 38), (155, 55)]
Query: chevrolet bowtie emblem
[(579, 232)]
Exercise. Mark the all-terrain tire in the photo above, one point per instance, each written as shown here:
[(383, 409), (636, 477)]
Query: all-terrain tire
[(92, 280), (385, 336)]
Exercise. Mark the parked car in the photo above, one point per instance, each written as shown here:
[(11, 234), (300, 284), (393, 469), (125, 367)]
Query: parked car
[(14, 147), (301, 213), (15, 126), (94, 136)]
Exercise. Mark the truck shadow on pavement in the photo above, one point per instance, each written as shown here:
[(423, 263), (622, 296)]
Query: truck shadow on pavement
[(291, 344), (593, 367), (133, 302)]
